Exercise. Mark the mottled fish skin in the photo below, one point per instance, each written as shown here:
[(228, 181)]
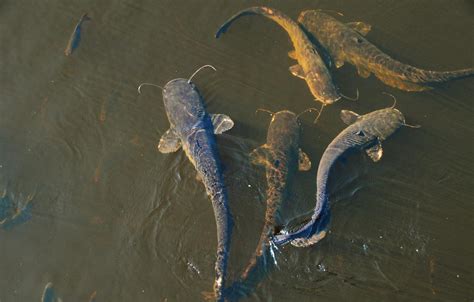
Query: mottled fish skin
[(281, 163), (75, 36), (192, 124), (281, 157), (365, 132), (346, 44), (313, 68)]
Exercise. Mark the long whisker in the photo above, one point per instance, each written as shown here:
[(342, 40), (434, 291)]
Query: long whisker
[(199, 69), (319, 114), (150, 84), (307, 110), (412, 126), (393, 97), (264, 110), (351, 99)]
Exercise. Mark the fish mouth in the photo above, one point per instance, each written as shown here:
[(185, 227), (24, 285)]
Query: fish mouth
[(329, 101)]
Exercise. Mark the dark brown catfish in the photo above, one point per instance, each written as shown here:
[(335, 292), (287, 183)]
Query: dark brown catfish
[(310, 66), (281, 157), (346, 43)]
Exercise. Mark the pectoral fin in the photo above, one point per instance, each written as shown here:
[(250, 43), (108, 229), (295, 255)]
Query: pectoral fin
[(375, 152), (260, 156), (292, 54), (349, 117), (339, 62), (304, 163), (363, 72), (297, 71), (169, 142), (221, 123), (360, 27)]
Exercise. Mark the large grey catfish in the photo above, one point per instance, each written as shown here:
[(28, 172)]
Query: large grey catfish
[(193, 130), (365, 132)]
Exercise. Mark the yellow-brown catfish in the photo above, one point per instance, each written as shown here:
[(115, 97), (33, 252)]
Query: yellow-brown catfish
[(310, 66), (346, 43)]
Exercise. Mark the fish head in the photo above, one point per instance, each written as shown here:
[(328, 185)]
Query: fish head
[(183, 103), (321, 86), (284, 125), (379, 124), (328, 96)]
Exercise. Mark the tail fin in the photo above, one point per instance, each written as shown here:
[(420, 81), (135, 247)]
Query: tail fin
[(426, 76), (283, 20)]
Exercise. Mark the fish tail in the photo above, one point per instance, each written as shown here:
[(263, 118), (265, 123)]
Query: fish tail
[(224, 222), (427, 76), (271, 13), (407, 73)]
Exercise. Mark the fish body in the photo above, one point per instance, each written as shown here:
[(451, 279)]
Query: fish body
[(193, 129), (365, 132), (281, 157), (310, 67), (75, 36), (346, 43)]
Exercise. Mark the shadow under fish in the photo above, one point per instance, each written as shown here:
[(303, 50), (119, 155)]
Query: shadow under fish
[(310, 67), (281, 157), (365, 132), (345, 42), (193, 130), (75, 36)]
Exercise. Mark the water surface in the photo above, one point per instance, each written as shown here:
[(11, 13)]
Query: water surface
[(110, 213)]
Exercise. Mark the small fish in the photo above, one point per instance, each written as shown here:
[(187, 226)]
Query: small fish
[(346, 43), (310, 67), (365, 132), (194, 130), (75, 36)]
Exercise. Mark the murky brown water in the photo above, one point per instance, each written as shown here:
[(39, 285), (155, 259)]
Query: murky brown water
[(110, 213)]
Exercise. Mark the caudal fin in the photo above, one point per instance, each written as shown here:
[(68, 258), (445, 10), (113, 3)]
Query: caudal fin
[(433, 77), (271, 13)]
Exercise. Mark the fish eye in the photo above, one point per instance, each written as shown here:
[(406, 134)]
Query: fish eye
[(360, 133), (358, 40)]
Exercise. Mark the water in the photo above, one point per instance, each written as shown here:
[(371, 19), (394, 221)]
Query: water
[(111, 214)]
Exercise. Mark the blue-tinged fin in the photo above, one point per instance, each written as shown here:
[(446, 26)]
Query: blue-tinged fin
[(169, 142), (221, 123)]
